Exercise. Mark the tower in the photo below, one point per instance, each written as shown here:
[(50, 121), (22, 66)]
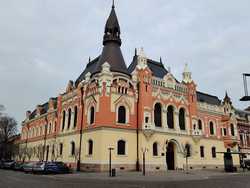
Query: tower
[(111, 52)]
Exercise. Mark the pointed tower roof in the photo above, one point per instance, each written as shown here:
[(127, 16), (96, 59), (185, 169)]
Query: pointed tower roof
[(227, 99), (111, 52)]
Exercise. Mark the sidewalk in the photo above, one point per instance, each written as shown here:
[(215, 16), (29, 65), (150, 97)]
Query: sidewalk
[(151, 176)]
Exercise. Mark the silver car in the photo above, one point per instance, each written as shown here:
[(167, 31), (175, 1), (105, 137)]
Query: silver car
[(28, 167)]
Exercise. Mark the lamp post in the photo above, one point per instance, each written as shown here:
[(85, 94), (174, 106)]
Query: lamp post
[(110, 149), (246, 97), (144, 150)]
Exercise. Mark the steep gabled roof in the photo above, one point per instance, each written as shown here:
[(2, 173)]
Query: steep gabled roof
[(89, 68), (210, 99), (45, 108), (156, 67)]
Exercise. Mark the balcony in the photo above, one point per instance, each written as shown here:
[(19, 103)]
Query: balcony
[(148, 130), (196, 135)]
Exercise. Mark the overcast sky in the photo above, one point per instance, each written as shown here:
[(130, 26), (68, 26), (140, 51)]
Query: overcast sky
[(45, 43)]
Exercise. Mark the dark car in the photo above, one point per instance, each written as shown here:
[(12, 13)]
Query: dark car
[(56, 168), (8, 164), (1, 164), (18, 166), (28, 167)]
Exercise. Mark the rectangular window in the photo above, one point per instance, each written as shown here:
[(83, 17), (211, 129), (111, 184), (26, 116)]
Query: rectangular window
[(202, 152)]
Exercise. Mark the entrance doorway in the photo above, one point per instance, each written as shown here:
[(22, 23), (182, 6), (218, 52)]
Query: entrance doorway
[(170, 156)]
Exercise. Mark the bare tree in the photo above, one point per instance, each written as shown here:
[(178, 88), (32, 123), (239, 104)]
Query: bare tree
[(22, 153), (8, 129), (38, 152), (29, 152), (55, 151)]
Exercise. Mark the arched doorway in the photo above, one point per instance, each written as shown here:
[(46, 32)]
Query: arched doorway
[(170, 156)]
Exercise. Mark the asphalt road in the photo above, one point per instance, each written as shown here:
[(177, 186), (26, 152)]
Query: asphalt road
[(11, 179)]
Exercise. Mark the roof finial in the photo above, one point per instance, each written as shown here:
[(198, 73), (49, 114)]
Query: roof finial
[(89, 59), (160, 60), (135, 51), (113, 4)]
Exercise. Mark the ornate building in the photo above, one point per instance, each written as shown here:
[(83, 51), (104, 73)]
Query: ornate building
[(135, 109)]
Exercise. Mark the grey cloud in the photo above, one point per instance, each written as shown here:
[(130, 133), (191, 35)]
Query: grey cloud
[(43, 44)]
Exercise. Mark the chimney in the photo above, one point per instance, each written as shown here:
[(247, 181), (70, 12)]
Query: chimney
[(28, 114), (39, 109)]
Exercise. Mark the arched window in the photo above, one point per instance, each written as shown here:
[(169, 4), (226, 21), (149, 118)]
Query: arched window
[(155, 149), (200, 124), (69, 117), (121, 147), (41, 131), (232, 129), (90, 142), (170, 117), (63, 120), (202, 152), (50, 126), (121, 114), (61, 148), (75, 116), (213, 152), (92, 115), (188, 150), (211, 127), (72, 148), (55, 127), (157, 115), (182, 119)]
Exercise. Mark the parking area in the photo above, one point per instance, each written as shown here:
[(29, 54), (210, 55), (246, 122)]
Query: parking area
[(13, 179)]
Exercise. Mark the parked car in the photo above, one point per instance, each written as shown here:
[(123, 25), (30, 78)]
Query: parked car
[(8, 164), (56, 168), (18, 166), (39, 167), (247, 164), (28, 167), (1, 164)]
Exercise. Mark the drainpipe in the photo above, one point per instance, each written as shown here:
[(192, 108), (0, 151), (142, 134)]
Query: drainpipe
[(137, 131), (81, 129), (45, 138)]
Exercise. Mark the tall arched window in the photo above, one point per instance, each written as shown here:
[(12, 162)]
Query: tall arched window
[(188, 150), (213, 152), (55, 126), (157, 115), (69, 117), (61, 148), (155, 149), (211, 127), (75, 116), (63, 120), (121, 147), (92, 115), (121, 114), (90, 142), (170, 117), (72, 148), (200, 124), (232, 129), (182, 119), (202, 152)]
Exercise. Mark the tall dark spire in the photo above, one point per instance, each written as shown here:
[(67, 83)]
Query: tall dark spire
[(112, 28), (111, 52)]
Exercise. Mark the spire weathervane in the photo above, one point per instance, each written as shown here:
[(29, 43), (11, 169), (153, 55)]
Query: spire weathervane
[(113, 4)]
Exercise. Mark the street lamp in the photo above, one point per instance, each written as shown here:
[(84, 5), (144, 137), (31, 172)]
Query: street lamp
[(110, 149), (246, 97), (144, 150)]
